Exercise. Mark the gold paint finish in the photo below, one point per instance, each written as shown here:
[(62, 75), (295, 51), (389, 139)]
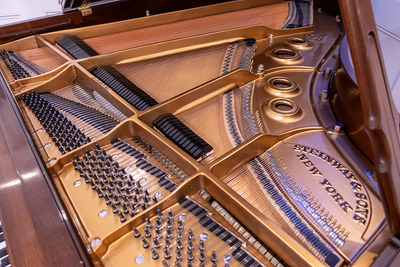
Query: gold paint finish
[(283, 110), (285, 98)]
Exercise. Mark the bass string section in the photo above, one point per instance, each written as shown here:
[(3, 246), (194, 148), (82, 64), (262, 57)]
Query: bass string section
[(295, 211)]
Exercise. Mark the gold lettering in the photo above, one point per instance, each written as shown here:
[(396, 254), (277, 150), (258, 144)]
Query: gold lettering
[(362, 203), (355, 186), (314, 152), (338, 198), (360, 196), (328, 159), (361, 212), (325, 183), (330, 190), (308, 163), (359, 219), (350, 177), (298, 148), (345, 206), (302, 157), (314, 171)]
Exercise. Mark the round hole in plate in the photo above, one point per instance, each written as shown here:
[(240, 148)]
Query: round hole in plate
[(283, 106), (158, 195), (183, 217), (285, 53), (95, 242), (284, 109), (282, 83), (114, 157), (103, 213), (282, 86), (139, 259), (143, 181), (47, 145), (77, 183), (297, 41)]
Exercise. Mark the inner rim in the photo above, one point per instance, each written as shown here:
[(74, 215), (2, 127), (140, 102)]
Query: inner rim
[(298, 41), (283, 106), (282, 83), (285, 53)]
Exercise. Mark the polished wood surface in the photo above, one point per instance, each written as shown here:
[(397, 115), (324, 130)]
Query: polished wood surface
[(381, 119), (36, 230), (271, 16), (110, 12)]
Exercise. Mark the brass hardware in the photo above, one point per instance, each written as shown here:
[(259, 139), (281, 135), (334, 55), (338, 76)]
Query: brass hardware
[(85, 8)]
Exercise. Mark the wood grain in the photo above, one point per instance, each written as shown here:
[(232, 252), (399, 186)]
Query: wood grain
[(271, 16), (34, 227)]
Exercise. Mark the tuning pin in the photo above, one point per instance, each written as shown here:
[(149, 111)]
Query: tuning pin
[(167, 243), (107, 199), (179, 244), (190, 255), (114, 208), (179, 234), (145, 243), (180, 225), (169, 233), (146, 192), (177, 264), (155, 201), (169, 223), (125, 210), (158, 232), (133, 210), (160, 214), (136, 231), (167, 254), (202, 256), (165, 264), (155, 254), (214, 257), (191, 235), (159, 224), (178, 255), (122, 218), (143, 206), (156, 243), (171, 216), (190, 244), (99, 193), (148, 234), (202, 246), (148, 223)]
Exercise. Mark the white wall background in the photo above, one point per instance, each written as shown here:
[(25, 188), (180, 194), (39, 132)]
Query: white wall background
[(12, 11), (388, 23)]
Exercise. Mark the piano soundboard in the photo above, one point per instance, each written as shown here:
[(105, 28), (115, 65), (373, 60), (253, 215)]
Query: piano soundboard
[(217, 148)]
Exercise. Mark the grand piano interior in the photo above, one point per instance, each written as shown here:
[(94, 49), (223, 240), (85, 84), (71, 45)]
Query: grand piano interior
[(220, 135)]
